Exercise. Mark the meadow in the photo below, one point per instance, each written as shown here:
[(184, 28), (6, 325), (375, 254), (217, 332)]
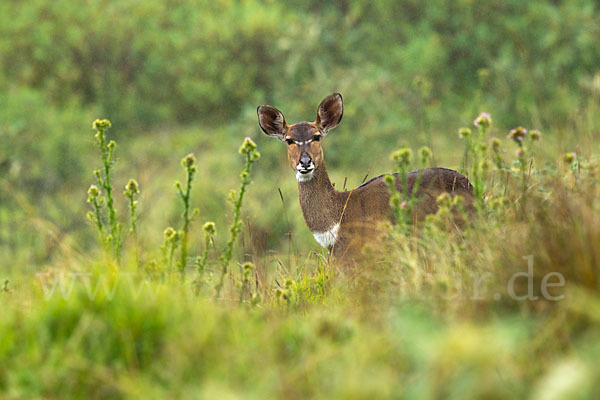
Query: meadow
[(163, 254)]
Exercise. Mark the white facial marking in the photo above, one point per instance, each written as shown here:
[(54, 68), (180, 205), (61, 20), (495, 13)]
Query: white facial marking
[(327, 238), (300, 143), (305, 175), (300, 177)]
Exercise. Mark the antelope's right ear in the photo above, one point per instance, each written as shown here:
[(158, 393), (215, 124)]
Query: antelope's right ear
[(272, 122)]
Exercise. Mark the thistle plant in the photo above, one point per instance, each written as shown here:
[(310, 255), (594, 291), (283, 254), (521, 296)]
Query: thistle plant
[(113, 237), (132, 190), (401, 203), (247, 149), (170, 243), (246, 270), (482, 122), (95, 217), (210, 230), (518, 135), (189, 163)]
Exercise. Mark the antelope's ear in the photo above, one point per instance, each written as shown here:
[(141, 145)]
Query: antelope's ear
[(272, 122), (329, 113)]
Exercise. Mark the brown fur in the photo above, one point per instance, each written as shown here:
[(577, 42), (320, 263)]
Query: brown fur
[(360, 211)]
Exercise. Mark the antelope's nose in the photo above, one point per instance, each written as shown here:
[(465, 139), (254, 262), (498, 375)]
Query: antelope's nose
[(305, 161)]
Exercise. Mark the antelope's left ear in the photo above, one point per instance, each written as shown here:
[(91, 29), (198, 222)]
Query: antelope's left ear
[(329, 113)]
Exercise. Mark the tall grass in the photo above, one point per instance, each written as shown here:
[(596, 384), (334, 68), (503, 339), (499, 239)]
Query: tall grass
[(506, 307)]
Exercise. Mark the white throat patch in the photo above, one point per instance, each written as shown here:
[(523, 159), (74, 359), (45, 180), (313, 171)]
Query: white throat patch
[(327, 238), (300, 177)]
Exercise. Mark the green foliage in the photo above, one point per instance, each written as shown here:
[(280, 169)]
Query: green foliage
[(428, 313)]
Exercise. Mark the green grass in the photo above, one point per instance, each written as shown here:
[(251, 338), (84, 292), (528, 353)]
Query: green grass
[(429, 314)]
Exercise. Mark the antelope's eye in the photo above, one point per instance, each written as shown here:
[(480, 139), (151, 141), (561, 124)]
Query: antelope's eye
[(316, 138), (289, 141)]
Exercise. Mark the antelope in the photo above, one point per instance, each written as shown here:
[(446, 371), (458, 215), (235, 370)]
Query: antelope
[(343, 221)]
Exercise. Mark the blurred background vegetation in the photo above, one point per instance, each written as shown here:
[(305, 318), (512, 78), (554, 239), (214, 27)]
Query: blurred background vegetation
[(176, 77), (179, 76)]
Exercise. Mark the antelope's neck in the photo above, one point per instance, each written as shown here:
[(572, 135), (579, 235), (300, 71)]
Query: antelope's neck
[(320, 202)]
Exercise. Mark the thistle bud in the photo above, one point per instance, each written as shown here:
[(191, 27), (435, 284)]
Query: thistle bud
[(188, 161), (93, 191), (402, 156), (517, 135), (100, 124), (210, 228), (535, 135), (169, 233), (132, 188), (248, 146), (484, 120), (247, 268), (464, 132), (425, 154), (568, 158)]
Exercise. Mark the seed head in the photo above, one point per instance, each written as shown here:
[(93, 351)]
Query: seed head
[(93, 191), (210, 228), (464, 132), (425, 154), (247, 268), (402, 156), (188, 161), (100, 124), (535, 135), (517, 135), (484, 120), (248, 146), (132, 188), (169, 233), (568, 158)]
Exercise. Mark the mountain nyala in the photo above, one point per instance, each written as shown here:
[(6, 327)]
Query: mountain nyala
[(344, 221)]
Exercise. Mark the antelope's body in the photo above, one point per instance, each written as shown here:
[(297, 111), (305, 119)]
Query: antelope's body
[(344, 221)]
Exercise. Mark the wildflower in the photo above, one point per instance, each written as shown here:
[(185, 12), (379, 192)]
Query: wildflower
[(210, 228), (169, 234), (520, 153), (535, 135), (248, 146), (464, 132), (517, 135), (100, 124), (111, 145), (403, 204), (568, 158), (425, 154), (484, 120), (495, 143), (93, 191), (132, 188), (402, 156), (188, 161), (247, 268)]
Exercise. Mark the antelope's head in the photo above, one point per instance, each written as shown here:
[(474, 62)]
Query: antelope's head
[(304, 138)]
